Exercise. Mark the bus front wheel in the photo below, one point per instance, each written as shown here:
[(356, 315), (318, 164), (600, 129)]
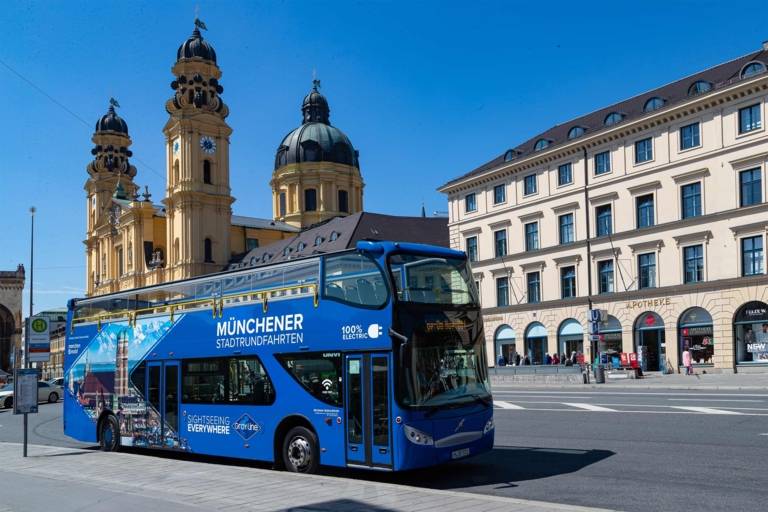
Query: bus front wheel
[(109, 440), (300, 451)]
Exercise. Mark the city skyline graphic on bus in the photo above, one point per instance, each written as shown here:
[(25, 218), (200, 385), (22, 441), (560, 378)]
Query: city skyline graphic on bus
[(101, 379)]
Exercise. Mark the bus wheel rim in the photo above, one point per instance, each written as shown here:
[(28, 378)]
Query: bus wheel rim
[(299, 452)]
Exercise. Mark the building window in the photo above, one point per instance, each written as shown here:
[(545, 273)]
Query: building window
[(564, 174), (500, 242), (499, 194), (472, 248), (208, 250), (251, 244), (343, 201), (605, 276), (529, 185), (645, 211), (602, 163), (568, 282), (693, 264), (604, 220), (470, 203), (691, 200), (531, 236), (509, 155), (749, 118), (699, 87), (534, 287), (310, 200), (644, 150), (653, 104), (282, 204), (120, 269), (566, 228), (207, 172), (613, 118), (753, 68), (575, 132), (751, 187), (751, 255), (541, 144), (502, 291), (646, 264), (689, 136)]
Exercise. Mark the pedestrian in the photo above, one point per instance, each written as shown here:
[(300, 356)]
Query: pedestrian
[(555, 359), (502, 360), (688, 361), (547, 359), (517, 359)]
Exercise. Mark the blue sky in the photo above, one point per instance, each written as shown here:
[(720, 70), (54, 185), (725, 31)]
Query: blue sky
[(425, 90)]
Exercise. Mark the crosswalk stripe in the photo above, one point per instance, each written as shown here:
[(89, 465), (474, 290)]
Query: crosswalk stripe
[(506, 405), (705, 410), (590, 407)]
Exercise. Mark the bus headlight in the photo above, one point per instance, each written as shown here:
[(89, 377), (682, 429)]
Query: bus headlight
[(416, 436), (488, 426)]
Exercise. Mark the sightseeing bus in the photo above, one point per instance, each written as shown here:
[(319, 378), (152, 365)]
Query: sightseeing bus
[(372, 357)]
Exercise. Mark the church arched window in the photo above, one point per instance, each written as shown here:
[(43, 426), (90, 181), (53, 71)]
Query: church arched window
[(208, 250), (175, 172), (207, 172), (343, 201)]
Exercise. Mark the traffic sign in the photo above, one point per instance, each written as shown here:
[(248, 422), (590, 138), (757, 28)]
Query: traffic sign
[(594, 315), (25, 391), (594, 327), (39, 339), (595, 337)]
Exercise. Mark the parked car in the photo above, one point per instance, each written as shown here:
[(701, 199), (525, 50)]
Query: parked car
[(45, 393), (57, 382)]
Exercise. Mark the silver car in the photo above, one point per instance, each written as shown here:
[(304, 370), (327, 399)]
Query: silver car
[(45, 393)]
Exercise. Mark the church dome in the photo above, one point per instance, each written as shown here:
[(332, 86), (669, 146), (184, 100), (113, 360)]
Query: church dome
[(111, 122), (196, 47), (316, 140)]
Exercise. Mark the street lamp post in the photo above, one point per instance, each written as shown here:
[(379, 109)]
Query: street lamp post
[(27, 365)]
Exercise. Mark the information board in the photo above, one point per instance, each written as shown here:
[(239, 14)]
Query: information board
[(25, 391)]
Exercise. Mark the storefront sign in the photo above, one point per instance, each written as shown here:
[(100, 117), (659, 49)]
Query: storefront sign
[(704, 330), (648, 303), (754, 311)]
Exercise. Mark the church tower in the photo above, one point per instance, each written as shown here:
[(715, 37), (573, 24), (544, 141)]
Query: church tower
[(198, 198), (317, 173), (110, 176)]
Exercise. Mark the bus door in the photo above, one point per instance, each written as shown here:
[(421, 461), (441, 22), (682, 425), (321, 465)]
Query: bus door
[(368, 409), (163, 395)]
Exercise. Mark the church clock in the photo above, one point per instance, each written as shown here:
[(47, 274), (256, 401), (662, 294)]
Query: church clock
[(208, 145)]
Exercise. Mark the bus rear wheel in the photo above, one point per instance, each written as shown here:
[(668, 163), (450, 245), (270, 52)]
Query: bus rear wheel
[(109, 438), (300, 451)]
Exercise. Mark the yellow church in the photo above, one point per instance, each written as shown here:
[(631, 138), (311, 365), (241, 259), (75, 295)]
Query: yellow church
[(132, 242)]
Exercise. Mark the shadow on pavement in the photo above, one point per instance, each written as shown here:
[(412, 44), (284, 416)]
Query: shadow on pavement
[(338, 505), (503, 467)]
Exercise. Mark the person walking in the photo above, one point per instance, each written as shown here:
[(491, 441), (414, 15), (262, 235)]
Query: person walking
[(687, 361)]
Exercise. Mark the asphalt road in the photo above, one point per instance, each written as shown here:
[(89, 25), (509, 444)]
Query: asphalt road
[(629, 450)]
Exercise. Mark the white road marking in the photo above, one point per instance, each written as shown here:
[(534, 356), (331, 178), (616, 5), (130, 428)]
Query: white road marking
[(764, 434), (506, 405), (499, 389), (705, 410), (590, 407), (712, 400)]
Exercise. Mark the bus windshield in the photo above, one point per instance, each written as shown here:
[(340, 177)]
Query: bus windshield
[(432, 280), (446, 370)]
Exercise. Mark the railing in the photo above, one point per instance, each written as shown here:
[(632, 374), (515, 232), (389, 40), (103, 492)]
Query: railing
[(215, 303)]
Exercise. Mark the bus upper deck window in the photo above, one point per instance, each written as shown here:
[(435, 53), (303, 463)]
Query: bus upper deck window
[(356, 279)]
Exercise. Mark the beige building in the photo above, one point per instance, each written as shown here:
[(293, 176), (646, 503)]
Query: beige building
[(132, 242), (11, 321), (653, 209)]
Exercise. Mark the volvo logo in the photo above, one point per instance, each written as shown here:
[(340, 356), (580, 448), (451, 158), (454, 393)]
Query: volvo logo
[(458, 427)]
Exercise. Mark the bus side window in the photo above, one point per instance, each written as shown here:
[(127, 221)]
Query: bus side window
[(349, 277), (319, 373)]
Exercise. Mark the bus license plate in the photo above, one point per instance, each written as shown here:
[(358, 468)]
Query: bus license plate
[(457, 454)]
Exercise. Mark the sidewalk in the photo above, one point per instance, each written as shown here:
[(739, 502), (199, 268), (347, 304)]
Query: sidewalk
[(65, 479), (700, 381)]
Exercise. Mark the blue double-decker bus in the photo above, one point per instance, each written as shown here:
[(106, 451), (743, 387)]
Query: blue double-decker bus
[(366, 358)]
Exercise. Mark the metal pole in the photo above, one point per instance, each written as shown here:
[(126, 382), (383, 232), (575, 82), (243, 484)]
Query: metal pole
[(29, 321)]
